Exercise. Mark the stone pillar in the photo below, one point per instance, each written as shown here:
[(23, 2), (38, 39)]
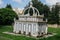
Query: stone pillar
[(22, 28), (17, 30), (14, 27), (32, 29), (36, 29), (46, 30), (27, 29), (19, 26)]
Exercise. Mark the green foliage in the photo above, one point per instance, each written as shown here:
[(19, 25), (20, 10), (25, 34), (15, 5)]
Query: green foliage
[(54, 15), (7, 16), (9, 6)]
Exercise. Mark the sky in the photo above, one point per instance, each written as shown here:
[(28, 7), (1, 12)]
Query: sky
[(22, 3)]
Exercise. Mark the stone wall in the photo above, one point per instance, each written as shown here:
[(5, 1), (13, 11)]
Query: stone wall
[(53, 25)]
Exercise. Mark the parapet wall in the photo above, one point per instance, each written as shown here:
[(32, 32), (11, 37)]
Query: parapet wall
[(54, 25)]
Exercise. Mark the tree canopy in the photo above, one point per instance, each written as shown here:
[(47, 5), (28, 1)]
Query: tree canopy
[(8, 6), (7, 16), (54, 15)]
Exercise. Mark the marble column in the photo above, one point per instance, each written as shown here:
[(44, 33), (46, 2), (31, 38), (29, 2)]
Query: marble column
[(14, 30), (27, 29), (19, 26), (22, 28), (17, 30), (46, 29)]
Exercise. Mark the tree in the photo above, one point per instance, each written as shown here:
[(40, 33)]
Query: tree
[(57, 9), (7, 16), (54, 15), (9, 6)]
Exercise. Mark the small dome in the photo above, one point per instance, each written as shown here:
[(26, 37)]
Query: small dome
[(31, 11)]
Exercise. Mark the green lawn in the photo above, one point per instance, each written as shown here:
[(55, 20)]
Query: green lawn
[(12, 37)]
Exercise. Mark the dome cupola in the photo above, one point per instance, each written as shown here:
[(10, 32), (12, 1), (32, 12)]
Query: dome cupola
[(31, 11)]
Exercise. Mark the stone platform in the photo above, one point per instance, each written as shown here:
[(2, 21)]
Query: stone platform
[(45, 36)]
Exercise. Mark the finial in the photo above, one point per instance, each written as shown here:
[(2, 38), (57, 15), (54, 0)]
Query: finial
[(31, 3)]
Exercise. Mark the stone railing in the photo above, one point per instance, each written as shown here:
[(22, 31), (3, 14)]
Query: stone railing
[(31, 19)]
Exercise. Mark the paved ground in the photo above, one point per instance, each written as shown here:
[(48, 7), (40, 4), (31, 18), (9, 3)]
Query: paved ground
[(45, 36)]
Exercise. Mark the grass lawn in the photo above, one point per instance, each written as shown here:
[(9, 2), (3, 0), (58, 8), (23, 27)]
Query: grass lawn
[(12, 37)]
